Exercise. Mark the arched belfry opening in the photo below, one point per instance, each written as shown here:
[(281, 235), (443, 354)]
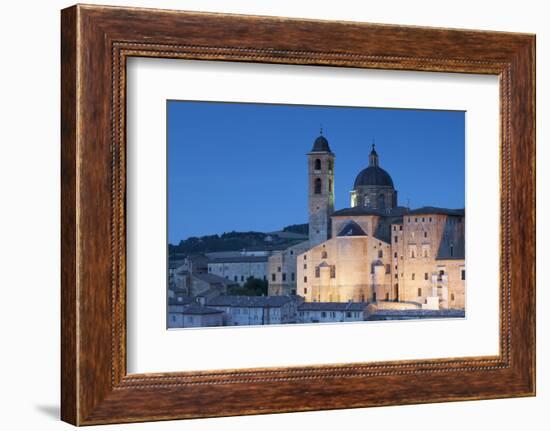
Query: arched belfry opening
[(317, 164), (318, 186)]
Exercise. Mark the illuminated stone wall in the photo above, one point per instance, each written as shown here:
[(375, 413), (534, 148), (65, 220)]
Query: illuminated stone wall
[(422, 258), (342, 269), (281, 272)]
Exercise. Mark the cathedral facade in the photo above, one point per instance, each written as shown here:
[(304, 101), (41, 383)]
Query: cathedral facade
[(374, 251)]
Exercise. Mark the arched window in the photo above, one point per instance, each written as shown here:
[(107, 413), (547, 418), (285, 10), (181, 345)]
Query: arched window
[(381, 202), (324, 255), (317, 164), (318, 186)]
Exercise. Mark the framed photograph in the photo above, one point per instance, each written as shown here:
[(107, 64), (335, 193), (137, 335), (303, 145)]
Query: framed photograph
[(265, 215)]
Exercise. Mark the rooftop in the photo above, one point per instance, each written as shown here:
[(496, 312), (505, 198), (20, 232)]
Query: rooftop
[(321, 145), (174, 264), (397, 211), (249, 301), (362, 210), (352, 229), (437, 210), (238, 259), (181, 300), (211, 278), (199, 309)]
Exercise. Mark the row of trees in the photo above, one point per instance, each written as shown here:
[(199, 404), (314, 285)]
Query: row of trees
[(230, 241)]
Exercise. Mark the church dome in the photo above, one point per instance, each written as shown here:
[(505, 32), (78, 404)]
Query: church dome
[(373, 176), (321, 145)]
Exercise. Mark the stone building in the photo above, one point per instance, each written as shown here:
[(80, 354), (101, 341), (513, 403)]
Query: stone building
[(256, 310), (199, 316), (324, 312), (375, 250), (282, 270), (238, 269)]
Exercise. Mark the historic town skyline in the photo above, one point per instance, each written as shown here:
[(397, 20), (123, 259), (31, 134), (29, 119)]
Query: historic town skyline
[(370, 255), (246, 158)]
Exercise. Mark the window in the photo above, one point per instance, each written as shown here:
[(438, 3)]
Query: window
[(419, 291), (305, 265), (396, 275), (452, 296), (425, 234), (387, 296), (463, 274), (329, 185), (305, 256), (425, 276), (373, 296), (401, 227), (333, 271), (305, 279), (388, 269), (395, 238), (323, 314), (416, 220), (272, 277), (305, 290), (422, 219), (242, 277), (235, 278), (284, 276), (317, 186), (317, 272), (380, 254), (317, 164), (324, 255), (291, 252), (412, 276), (348, 313), (412, 253), (292, 276), (395, 255), (425, 252), (451, 251), (394, 228), (330, 165)]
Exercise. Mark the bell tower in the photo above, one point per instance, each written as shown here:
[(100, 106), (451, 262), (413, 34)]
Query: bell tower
[(320, 162)]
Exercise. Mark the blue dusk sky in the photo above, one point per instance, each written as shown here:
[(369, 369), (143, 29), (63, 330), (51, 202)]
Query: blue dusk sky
[(243, 167)]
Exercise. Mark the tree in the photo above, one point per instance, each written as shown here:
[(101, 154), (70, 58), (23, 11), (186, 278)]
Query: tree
[(252, 287)]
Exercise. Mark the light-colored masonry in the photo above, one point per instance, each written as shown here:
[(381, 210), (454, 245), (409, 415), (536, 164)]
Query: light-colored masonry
[(375, 251)]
